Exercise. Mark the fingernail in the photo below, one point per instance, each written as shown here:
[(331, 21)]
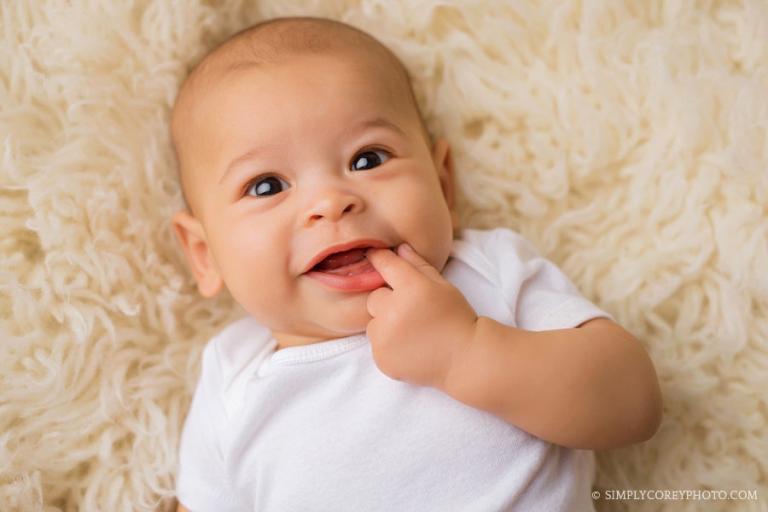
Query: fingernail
[(405, 247)]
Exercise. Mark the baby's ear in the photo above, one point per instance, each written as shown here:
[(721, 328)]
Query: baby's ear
[(443, 159), (192, 238)]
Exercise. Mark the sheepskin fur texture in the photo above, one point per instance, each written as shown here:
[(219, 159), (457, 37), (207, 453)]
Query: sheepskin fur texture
[(627, 140)]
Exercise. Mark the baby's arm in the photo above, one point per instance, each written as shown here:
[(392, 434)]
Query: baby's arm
[(591, 387)]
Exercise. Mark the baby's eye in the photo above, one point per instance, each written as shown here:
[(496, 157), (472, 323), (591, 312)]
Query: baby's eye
[(369, 158), (264, 186)]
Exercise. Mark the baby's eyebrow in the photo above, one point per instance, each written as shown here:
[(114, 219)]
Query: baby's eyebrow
[(377, 122), (366, 124), (242, 158)]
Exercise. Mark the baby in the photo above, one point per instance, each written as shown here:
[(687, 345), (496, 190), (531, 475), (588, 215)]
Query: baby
[(388, 359)]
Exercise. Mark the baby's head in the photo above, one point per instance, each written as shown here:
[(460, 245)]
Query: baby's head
[(293, 136)]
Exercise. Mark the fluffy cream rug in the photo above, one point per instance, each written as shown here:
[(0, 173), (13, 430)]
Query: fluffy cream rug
[(627, 140)]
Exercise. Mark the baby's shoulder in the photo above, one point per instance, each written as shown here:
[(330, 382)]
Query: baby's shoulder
[(499, 240), (233, 348)]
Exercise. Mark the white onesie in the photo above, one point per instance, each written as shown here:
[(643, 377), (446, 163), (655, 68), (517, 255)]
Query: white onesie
[(319, 427)]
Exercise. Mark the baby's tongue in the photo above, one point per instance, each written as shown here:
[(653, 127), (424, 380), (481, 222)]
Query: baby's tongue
[(341, 259)]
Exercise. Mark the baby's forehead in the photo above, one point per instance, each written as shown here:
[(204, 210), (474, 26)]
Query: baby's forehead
[(384, 84), (362, 83), (284, 43), (280, 41)]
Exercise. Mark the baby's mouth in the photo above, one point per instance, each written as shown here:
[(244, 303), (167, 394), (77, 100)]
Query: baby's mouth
[(347, 271), (345, 263)]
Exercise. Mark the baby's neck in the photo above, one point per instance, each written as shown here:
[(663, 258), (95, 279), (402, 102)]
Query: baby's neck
[(285, 340)]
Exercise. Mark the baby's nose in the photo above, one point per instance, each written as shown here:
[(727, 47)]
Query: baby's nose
[(332, 205)]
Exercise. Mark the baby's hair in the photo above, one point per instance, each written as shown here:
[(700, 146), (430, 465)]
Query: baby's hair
[(273, 41)]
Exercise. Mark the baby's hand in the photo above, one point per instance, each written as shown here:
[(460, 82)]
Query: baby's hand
[(422, 324)]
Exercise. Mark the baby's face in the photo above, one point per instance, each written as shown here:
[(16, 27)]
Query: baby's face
[(291, 159)]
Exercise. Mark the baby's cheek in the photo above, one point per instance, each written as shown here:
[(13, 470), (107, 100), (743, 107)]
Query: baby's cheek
[(268, 302), (434, 238), (256, 284), (423, 217)]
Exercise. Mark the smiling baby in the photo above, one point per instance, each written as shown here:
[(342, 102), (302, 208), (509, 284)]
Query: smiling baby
[(389, 360)]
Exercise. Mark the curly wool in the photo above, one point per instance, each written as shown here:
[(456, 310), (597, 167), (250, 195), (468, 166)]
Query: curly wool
[(627, 140)]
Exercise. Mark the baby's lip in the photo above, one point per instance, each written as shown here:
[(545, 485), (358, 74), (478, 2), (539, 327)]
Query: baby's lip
[(346, 246)]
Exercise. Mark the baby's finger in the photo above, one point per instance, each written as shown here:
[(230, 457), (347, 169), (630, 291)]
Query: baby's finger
[(377, 300), (409, 254), (396, 271)]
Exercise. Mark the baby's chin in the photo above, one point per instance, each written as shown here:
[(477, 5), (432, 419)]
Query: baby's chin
[(345, 318), (352, 321)]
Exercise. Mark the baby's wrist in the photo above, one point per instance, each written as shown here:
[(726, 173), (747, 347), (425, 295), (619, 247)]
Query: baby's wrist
[(465, 371), (474, 378)]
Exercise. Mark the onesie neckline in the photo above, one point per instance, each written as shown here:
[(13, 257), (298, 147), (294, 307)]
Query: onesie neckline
[(310, 353)]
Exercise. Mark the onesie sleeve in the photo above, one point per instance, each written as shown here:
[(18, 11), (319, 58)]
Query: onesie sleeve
[(202, 484), (539, 294)]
